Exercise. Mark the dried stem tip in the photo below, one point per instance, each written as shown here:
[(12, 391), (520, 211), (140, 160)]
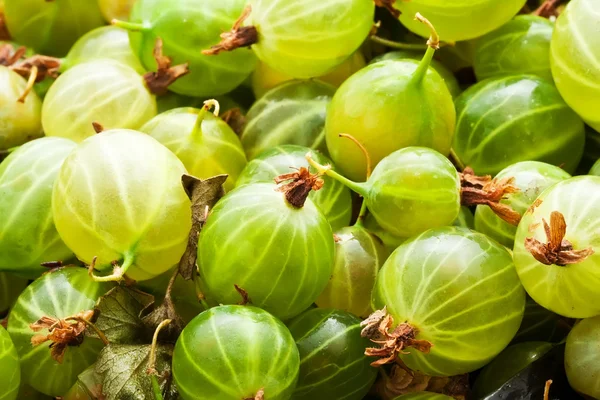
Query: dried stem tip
[(260, 395), (484, 190), (245, 297), (159, 81), (238, 36), (61, 332), (549, 8), (46, 67), (302, 182), (557, 250), (377, 327), (434, 39), (9, 56), (388, 5)]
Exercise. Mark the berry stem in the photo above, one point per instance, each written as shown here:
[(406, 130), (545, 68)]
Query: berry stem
[(119, 271), (363, 208), (30, 82), (457, 162), (130, 26), (100, 334), (151, 370), (432, 45), (156, 388), (398, 45), (197, 131), (360, 188)]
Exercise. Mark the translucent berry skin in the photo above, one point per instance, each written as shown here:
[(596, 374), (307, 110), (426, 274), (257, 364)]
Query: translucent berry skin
[(104, 91), (465, 218), (332, 360), (385, 110), (58, 294), (333, 198), (291, 113), (231, 352), (358, 257), (309, 39), (28, 235), (461, 292), (116, 9), (21, 122), (280, 255), (202, 22), (210, 150), (581, 355), (575, 51), (502, 121), (521, 46), (572, 290), (459, 19), (51, 27), (531, 178), (119, 197), (10, 371)]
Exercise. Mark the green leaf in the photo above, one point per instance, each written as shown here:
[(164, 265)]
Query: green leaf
[(121, 311), (123, 370)]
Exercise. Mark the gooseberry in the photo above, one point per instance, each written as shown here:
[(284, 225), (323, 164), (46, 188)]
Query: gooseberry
[(119, 9), (456, 298), (292, 113), (521, 46), (118, 198), (10, 371), (557, 248), (332, 360), (387, 106), (204, 143), (282, 255), (58, 300), (540, 324), (202, 22), (235, 352), (465, 218), (51, 27), (333, 198), (574, 54), (505, 120), (28, 236), (530, 178), (595, 170), (303, 40), (581, 356), (103, 91)]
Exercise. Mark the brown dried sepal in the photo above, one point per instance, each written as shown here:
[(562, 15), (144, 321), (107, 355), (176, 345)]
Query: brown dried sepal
[(98, 128), (260, 395), (9, 56), (238, 36), (302, 182), (392, 343), (388, 5), (158, 82), (549, 8), (61, 332), (483, 190), (245, 298), (46, 67), (235, 119), (557, 250), (4, 33)]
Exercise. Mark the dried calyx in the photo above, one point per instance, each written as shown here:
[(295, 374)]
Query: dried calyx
[(245, 297), (556, 250), (483, 190), (378, 328), (46, 67), (260, 395), (388, 5), (158, 82), (238, 36), (302, 182), (549, 8), (61, 332), (9, 55)]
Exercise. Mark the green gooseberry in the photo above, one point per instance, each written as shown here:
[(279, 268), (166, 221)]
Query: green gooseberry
[(10, 371), (465, 218), (334, 198), (282, 254), (202, 22), (51, 27), (456, 289), (459, 19), (458, 57), (333, 364), (387, 106), (301, 39), (540, 324), (291, 113), (423, 396), (445, 73), (116, 9), (521, 46), (103, 91), (390, 241), (502, 121), (26, 392), (10, 288), (21, 121), (591, 151), (561, 272), (574, 55), (234, 352), (204, 143), (507, 364), (411, 190), (595, 170), (140, 217), (530, 178), (581, 357), (170, 100), (358, 257), (28, 236), (57, 295)]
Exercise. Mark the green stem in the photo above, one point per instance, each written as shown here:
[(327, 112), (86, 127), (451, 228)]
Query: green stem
[(362, 214), (130, 26), (432, 45), (119, 271), (360, 188), (197, 131), (398, 45), (156, 388), (457, 161)]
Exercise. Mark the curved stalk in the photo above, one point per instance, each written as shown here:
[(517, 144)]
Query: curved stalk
[(360, 188), (432, 45)]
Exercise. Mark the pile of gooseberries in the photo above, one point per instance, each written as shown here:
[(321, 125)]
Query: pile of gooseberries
[(299, 200)]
